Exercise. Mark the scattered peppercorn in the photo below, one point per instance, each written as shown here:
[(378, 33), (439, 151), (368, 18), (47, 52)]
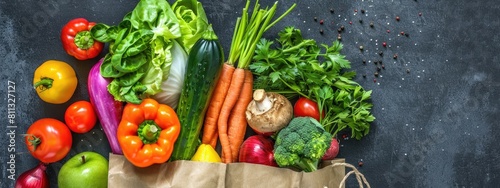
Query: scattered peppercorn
[(350, 22), (361, 47), (360, 21), (371, 24), (331, 10), (375, 62), (395, 56), (364, 75), (355, 10), (362, 11), (342, 28), (388, 31), (321, 31), (407, 70), (419, 14), (402, 33), (407, 35), (378, 69), (315, 18), (374, 80), (384, 44), (397, 18), (383, 67), (360, 163), (321, 22), (339, 30), (339, 37), (381, 53), (364, 61)]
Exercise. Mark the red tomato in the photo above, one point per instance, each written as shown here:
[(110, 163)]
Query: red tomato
[(80, 117), (305, 107), (48, 140)]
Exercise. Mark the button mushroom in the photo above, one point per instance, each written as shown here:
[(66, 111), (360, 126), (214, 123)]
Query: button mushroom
[(268, 112)]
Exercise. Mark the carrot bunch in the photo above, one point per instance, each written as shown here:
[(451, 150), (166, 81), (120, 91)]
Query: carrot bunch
[(225, 118)]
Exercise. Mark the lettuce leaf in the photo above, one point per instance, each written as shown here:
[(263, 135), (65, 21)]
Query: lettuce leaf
[(193, 21)]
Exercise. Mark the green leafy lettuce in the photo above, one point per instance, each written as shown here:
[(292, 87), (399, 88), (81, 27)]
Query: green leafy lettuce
[(192, 20), (139, 57)]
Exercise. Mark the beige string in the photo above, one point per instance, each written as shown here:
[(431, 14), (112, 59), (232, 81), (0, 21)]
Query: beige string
[(359, 176)]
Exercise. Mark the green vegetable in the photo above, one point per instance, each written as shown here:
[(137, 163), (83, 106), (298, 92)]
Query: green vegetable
[(204, 64), (298, 66), (192, 20), (301, 144), (139, 55)]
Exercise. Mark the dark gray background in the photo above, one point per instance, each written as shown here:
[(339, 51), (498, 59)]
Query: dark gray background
[(436, 124)]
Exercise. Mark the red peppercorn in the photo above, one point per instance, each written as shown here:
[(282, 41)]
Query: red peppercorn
[(384, 44), (397, 18), (402, 33), (350, 22), (321, 22), (388, 31), (419, 14), (374, 80), (360, 163)]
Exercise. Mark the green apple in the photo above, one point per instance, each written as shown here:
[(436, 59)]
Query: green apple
[(86, 169)]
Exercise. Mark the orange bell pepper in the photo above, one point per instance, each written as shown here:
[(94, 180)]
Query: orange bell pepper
[(147, 132)]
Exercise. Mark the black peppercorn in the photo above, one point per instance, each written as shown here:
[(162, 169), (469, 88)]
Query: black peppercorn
[(339, 30), (407, 70), (360, 21), (331, 10), (371, 24), (395, 56), (381, 53), (364, 61), (342, 28), (383, 67), (321, 31), (378, 68), (362, 11), (315, 18), (376, 74)]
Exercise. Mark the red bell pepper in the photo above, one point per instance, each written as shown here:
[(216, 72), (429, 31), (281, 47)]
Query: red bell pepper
[(77, 40)]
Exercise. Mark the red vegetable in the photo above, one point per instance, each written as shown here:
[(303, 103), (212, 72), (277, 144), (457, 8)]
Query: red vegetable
[(333, 151), (48, 140), (80, 117), (305, 107), (77, 40), (34, 178), (257, 149), (109, 111)]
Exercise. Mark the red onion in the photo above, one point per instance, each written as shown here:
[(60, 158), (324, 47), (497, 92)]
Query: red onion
[(34, 178), (258, 149), (333, 151)]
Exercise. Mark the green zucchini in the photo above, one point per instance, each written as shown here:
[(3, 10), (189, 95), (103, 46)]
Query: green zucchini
[(202, 72)]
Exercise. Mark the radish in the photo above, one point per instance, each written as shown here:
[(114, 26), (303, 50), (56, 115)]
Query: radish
[(333, 151)]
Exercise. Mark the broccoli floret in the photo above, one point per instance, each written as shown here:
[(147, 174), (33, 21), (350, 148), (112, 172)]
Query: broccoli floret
[(301, 144)]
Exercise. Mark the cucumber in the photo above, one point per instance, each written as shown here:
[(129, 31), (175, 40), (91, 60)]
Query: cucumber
[(202, 72)]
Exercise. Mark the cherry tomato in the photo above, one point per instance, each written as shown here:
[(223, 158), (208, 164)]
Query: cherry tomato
[(48, 140), (80, 117), (305, 107)]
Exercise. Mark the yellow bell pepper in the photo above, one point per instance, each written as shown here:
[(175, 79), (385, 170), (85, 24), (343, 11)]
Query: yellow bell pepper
[(206, 153), (55, 81)]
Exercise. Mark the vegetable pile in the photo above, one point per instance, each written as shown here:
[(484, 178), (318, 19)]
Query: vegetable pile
[(294, 68), (165, 92)]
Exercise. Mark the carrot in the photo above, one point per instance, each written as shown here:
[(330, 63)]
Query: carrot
[(237, 123), (209, 135), (231, 98)]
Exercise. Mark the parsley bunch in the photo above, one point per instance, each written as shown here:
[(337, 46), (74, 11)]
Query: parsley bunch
[(297, 67)]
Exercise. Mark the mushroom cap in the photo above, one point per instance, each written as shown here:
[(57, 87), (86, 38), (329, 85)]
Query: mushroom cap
[(272, 120)]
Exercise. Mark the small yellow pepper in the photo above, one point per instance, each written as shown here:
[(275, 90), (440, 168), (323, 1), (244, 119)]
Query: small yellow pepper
[(55, 81), (206, 153)]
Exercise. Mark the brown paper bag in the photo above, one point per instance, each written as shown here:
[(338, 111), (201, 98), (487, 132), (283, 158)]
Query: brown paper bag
[(218, 175)]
